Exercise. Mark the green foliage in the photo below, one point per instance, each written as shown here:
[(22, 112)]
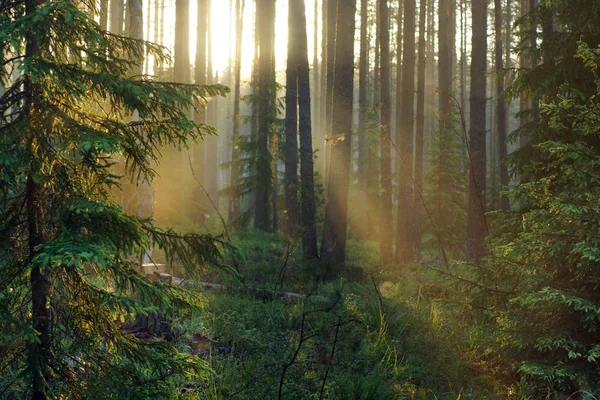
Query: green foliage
[(545, 254), (65, 116)]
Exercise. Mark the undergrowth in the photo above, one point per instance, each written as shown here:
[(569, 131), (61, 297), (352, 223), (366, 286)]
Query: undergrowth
[(385, 333)]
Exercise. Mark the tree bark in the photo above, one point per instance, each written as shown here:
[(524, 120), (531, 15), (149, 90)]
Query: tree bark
[(477, 230), (40, 280), (116, 16), (307, 186), (333, 247), (200, 73), (385, 231), (234, 200), (362, 120), (265, 25), (332, 17), (446, 37), (291, 123), (501, 128), (404, 235), (182, 39), (419, 137)]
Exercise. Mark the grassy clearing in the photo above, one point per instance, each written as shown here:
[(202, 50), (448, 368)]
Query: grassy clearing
[(377, 335)]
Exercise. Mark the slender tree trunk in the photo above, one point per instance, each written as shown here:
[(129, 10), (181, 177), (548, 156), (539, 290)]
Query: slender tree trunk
[(104, 14), (477, 229), (200, 79), (501, 128), (373, 145), (211, 142), (116, 16), (291, 123), (182, 40), (323, 127), (316, 101), (405, 235), (385, 232), (362, 120), (307, 187), (332, 16), (234, 200), (419, 137), (40, 280), (265, 25), (527, 59), (333, 247)]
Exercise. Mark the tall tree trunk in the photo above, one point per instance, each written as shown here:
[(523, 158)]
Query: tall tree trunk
[(265, 25), (446, 37), (419, 137), (405, 235), (40, 280), (104, 14), (333, 247), (316, 101), (291, 122), (477, 229), (182, 39), (211, 142), (362, 119), (527, 59), (385, 231), (501, 128), (116, 16), (307, 187), (200, 79), (234, 200), (332, 17), (323, 127)]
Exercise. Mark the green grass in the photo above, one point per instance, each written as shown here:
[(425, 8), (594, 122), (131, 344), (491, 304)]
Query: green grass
[(402, 345)]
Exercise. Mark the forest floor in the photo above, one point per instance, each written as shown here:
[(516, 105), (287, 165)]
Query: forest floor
[(370, 333)]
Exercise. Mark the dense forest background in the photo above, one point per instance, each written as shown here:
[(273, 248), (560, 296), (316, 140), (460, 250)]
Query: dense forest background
[(353, 199)]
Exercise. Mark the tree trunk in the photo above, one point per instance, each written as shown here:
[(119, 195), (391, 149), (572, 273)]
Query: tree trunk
[(265, 26), (477, 229), (40, 280), (404, 236), (211, 142), (307, 186), (116, 16), (385, 231), (182, 40), (446, 37), (332, 17), (291, 123), (419, 137), (362, 120), (104, 14), (333, 247), (501, 129), (198, 150), (234, 200)]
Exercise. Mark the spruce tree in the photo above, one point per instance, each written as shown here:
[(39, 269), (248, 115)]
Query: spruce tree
[(66, 246)]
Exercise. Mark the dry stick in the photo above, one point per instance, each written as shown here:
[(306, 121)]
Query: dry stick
[(302, 340), (289, 249), (337, 329), (289, 363)]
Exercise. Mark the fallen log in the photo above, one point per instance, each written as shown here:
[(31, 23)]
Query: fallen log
[(254, 291)]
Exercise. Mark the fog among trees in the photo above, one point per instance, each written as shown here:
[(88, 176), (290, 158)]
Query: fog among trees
[(293, 199)]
